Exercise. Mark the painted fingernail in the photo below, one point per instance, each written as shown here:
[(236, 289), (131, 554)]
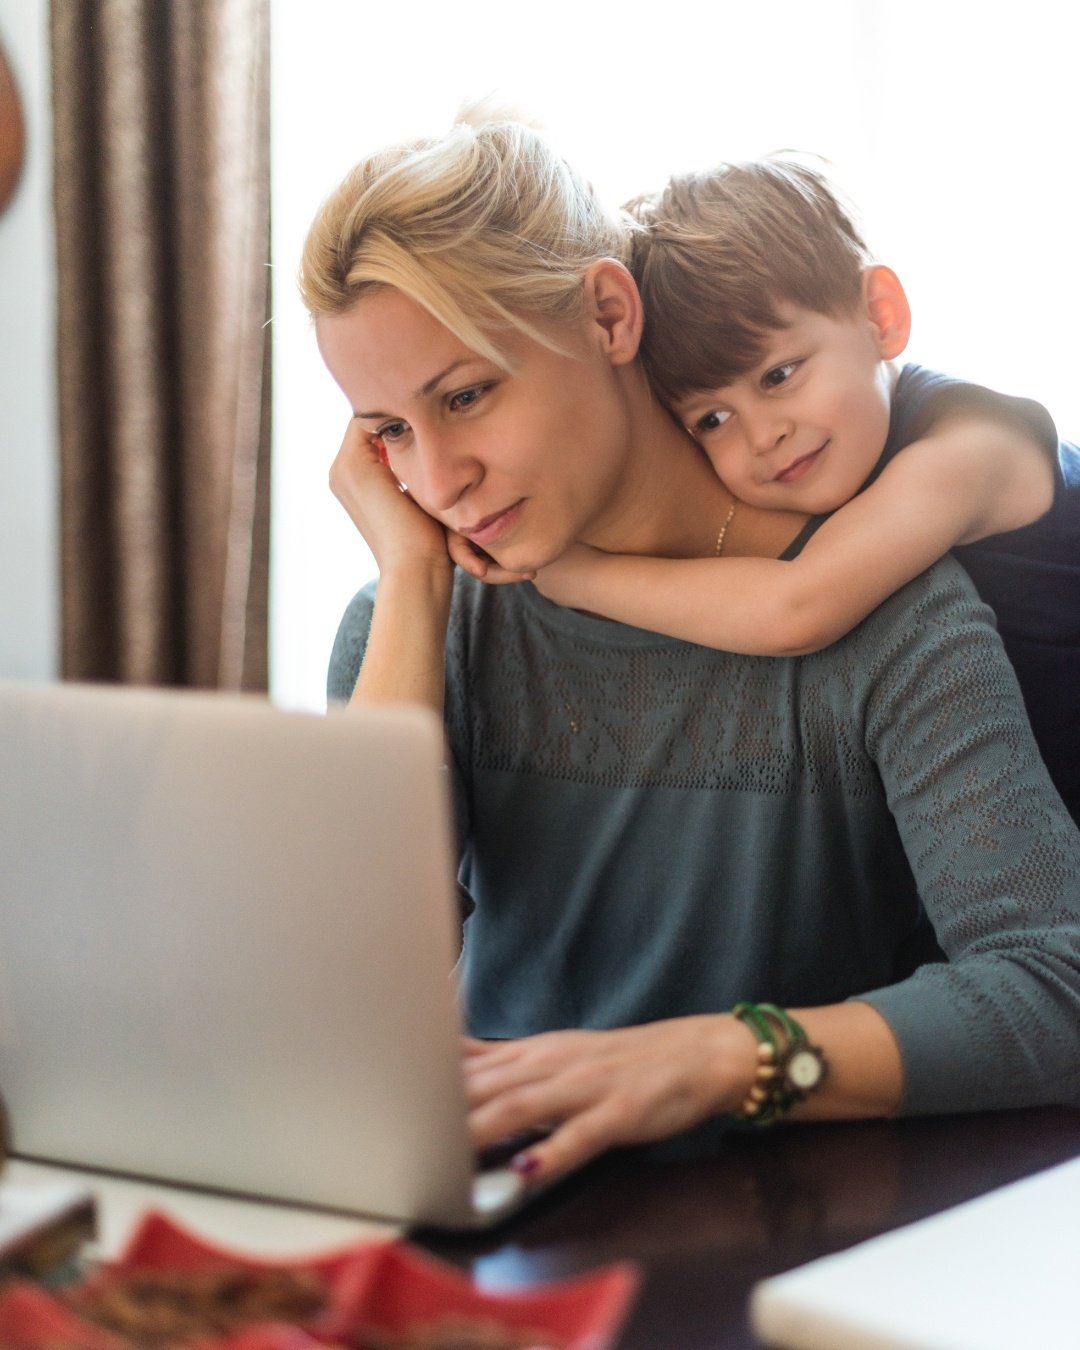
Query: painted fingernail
[(524, 1164), (380, 445)]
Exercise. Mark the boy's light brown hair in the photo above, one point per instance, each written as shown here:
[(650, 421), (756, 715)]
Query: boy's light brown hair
[(719, 250)]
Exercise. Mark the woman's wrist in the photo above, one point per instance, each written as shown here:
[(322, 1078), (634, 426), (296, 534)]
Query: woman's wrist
[(734, 1061), (790, 1067), (865, 1065), (421, 575), (860, 1072), (405, 657)]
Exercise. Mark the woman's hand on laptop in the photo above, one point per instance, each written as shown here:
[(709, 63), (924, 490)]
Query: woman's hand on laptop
[(596, 1089)]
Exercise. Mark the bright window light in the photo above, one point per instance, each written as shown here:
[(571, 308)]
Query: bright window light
[(952, 126)]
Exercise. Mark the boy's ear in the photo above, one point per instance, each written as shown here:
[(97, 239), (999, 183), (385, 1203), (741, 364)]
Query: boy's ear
[(887, 309), (614, 310)]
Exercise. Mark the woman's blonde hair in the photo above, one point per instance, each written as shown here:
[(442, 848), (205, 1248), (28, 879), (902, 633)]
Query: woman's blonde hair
[(484, 227)]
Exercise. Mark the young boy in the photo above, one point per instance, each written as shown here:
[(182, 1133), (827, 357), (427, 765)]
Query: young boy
[(771, 335)]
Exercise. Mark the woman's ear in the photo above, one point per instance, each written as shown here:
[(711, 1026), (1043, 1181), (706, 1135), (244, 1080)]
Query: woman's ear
[(613, 310), (887, 309)]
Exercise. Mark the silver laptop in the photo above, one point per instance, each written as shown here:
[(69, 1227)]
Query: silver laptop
[(227, 938)]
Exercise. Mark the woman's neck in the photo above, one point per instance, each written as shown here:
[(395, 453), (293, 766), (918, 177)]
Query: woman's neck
[(671, 504)]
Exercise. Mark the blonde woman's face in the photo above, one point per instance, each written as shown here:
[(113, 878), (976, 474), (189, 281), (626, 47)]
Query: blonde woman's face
[(522, 462)]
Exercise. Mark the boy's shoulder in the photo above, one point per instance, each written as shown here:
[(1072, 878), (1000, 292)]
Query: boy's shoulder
[(921, 396)]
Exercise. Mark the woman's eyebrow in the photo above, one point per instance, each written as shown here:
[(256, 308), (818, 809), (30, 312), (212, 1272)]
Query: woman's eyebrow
[(424, 389)]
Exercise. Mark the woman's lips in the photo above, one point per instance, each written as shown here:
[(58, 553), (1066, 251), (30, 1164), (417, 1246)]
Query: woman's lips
[(492, 528), (800, 467)]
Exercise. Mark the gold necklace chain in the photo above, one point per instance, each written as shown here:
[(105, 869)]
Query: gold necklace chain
[(724, 528)]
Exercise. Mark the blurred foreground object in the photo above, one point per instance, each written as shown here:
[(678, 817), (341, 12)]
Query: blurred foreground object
[(12, 133), (43, 1227)]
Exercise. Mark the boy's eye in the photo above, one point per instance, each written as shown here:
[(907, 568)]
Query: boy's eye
[(392, 431), (711, 421), (779, 375)]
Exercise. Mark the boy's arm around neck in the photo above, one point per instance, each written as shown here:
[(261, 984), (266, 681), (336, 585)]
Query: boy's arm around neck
[(968, 477)]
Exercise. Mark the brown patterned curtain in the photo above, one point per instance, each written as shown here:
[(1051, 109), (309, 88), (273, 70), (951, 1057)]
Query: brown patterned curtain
[(162, 205)]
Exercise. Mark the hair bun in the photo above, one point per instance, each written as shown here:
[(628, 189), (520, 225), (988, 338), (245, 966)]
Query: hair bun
[(492, 109)]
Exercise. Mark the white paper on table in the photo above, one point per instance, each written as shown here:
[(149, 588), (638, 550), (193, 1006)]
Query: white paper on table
[(1000, 1272)]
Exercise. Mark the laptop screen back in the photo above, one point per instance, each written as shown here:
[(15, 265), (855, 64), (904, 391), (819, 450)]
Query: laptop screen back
[(226, 944)]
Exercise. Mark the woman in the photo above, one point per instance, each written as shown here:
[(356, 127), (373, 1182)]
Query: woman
[(652, 832)]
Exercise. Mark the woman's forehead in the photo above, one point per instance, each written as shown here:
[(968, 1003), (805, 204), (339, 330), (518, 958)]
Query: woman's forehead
[(384, 320), (387, 352), (388, 345)]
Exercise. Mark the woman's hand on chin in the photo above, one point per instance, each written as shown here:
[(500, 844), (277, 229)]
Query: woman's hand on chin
[(398, 531), (596, 1089), (479, 564)]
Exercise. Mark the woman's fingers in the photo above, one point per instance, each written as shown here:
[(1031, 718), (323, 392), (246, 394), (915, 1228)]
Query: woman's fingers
[(569, 1146), (358, 473), (601, 1088), (581, 1115), (466, 557), (390, 520), (393, 525), (481, 565)]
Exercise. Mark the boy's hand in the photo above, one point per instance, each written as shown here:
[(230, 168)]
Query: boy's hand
[(394, 527), (481, 565), (564, 580)]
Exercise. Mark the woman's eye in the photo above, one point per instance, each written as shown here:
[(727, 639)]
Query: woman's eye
[(466, 398), (779, 375), (392, 431), (711, 421)]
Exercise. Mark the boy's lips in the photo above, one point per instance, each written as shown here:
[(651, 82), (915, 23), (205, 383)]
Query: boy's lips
[(493, 527), (798, 468)]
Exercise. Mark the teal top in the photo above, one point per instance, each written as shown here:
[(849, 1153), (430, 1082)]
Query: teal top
[(1030, 577), (650, 828)]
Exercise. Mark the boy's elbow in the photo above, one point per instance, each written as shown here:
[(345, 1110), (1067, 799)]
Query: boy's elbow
[(804, 647), (796, 630)]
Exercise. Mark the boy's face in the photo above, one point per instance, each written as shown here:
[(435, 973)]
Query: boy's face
[(804, 428)]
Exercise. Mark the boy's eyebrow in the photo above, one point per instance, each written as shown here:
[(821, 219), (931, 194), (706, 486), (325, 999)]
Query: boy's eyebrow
[(700, 398), (425, 389)]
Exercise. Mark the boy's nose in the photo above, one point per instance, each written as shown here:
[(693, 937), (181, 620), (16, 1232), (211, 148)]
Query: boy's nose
[(766, 430)]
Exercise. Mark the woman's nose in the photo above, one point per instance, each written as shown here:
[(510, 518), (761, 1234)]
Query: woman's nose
[(443, 473)]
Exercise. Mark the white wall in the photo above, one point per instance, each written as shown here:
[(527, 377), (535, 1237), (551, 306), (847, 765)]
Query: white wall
[(28, 440)]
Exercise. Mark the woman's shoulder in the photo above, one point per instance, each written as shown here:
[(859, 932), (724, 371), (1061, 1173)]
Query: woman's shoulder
[(350, 642), (919, 624), (478, 614)]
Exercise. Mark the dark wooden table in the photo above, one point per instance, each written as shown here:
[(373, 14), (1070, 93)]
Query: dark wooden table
[(706, 1218)]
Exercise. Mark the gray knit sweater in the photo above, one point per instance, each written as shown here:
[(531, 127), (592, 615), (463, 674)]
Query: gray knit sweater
[(651, 828)]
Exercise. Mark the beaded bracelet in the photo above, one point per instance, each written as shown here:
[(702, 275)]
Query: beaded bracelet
[(789, 1067)]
